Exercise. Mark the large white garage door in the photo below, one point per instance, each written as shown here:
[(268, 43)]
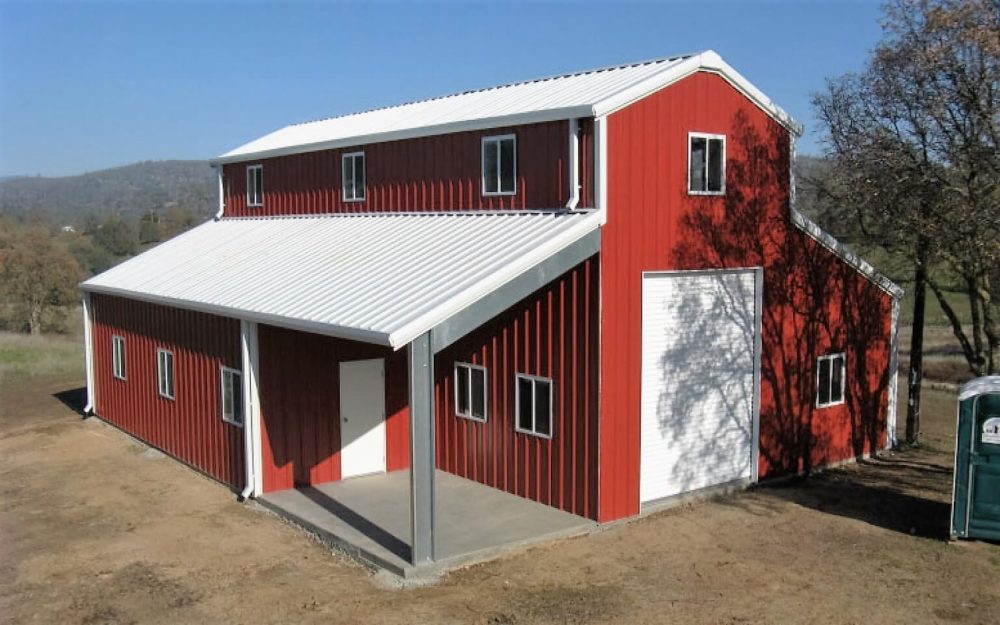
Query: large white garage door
[(698, 340)]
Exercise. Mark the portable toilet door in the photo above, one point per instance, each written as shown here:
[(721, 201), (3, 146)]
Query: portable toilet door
[(975, 506)]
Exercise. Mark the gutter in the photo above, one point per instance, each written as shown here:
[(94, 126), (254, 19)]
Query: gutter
[(222, 197)]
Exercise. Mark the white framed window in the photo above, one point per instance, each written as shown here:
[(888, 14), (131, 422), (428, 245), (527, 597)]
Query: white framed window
[(830, 370), (118, 356), (353, 176), (499, 165), (706, 164), (255, 185), (533, 398), (165, 372), (470, 391), (231, 395)]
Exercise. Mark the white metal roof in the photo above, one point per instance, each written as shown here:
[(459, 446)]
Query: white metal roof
[(584, 94), (979, 386), (379, 278)]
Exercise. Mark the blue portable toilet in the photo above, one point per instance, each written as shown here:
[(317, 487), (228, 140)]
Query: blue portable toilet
[(975, 502)]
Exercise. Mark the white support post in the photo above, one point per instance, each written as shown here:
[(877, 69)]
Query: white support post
[(421, 450)]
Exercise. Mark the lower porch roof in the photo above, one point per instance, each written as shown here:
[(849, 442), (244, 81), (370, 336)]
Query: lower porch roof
[(380, 278)]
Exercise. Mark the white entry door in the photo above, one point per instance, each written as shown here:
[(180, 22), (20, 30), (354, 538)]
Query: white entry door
[(699, 382), (362, 417)]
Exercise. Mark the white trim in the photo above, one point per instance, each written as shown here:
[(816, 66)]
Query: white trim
[(843, 379), (893, 407), (708, 138), (354, 182), (486, 392), (534, 410), (88, 350), (118, 357), (237, 388), (497, 139), (172, 395), (260, 200), (601, 168), (253, 457)]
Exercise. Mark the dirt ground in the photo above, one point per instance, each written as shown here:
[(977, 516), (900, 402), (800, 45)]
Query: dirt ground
[(96, 529)]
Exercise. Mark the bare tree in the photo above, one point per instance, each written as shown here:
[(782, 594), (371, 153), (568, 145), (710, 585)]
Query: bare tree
[(913, 142)]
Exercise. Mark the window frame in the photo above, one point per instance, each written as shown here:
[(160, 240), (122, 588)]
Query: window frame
[(534, 411), (842, 356), (708, 138), (497, 139), (343, 176), (486, 392), (236, 420), (160, 381), (250, 193), (118, 357)]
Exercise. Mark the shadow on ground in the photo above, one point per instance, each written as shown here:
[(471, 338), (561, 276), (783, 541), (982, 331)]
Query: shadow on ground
[(879, 492), (75, 399)]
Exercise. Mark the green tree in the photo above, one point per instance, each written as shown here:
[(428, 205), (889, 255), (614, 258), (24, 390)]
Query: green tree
[(117, 236), (913, 147), (37, 272)]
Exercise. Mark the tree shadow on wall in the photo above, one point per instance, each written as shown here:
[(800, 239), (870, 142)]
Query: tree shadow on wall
[(813, 304)]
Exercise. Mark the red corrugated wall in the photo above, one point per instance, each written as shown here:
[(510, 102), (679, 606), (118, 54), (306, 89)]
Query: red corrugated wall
[(553, 333), (441, 172), (300, 405), (813, 303), (189, 427)]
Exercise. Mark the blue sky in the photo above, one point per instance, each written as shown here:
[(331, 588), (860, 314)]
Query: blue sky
[(85, 86)]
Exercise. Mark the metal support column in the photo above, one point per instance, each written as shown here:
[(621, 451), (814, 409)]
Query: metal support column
[(421, 450)]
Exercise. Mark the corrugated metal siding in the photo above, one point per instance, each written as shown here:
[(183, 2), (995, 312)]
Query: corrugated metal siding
[(383, 278), (190, 427), (300, 406), (812, 301), (442, 172), (553, 333)]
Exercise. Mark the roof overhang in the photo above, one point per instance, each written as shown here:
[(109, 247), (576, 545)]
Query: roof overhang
[(378, 278)]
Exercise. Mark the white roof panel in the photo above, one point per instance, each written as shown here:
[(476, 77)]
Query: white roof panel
[(584, 94), (379, 278)]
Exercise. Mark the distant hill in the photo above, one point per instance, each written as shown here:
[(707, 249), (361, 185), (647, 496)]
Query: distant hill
[(127, 191)]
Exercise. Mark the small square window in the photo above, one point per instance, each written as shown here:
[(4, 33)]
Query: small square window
[(706, 164), (118, 357), (470, 391), (499, 165), (353, 170), (165, 372), (830, 370), (231, 392), (534, 405), (255, 185)]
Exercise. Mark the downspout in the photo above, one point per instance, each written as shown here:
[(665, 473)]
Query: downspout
[(251, 403), (222, 197), (573, 164), (88, 345)]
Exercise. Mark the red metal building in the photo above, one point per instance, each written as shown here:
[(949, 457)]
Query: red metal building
[(592, 291)]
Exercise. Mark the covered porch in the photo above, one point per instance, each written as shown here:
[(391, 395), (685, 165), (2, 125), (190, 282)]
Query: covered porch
[(369, 519)]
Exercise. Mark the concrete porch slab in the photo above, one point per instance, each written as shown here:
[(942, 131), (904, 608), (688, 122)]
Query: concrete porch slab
[(368, 518)]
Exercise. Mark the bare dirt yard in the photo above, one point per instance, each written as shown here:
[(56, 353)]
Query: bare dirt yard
[(97, 529)]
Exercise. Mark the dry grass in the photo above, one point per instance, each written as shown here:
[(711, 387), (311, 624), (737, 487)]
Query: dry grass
[(23, 356)]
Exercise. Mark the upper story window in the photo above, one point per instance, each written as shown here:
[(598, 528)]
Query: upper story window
[(255, 185), (231, 399), (534, 405), (470, 391), (706, 164), (118, 357), (353, 168), (500, 165), (830, 380)]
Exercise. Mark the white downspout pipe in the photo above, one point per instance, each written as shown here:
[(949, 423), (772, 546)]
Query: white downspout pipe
[(222, 197), (88, 345), (573, 164), (251, 410)]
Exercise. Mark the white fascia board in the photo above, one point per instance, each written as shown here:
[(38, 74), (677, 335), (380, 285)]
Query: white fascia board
[(708, 61), (403, 336), (862, 266), (344, 332), (535, 117)]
